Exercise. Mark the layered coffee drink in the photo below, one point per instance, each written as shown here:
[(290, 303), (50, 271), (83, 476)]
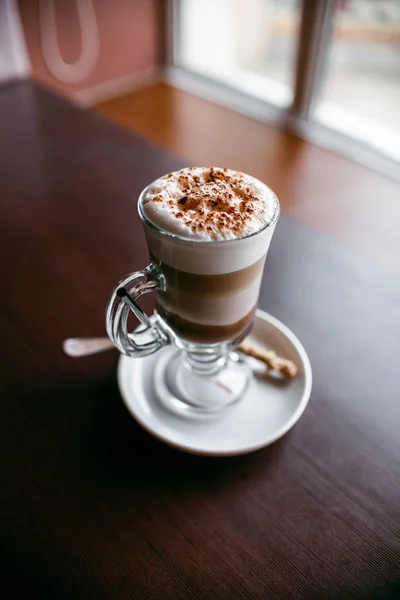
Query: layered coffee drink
[(208, 231)]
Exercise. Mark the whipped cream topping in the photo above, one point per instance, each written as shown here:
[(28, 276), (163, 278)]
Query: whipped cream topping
[(209, 204)]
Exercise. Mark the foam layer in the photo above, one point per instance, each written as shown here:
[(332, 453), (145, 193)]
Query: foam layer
[(205, 258), (209, 204)]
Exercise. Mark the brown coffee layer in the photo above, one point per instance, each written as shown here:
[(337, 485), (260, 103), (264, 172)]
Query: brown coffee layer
[(224, 283), (206, 334)]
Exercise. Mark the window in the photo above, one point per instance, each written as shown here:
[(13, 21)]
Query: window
[(361, 92), (248, 44), (331, 67)]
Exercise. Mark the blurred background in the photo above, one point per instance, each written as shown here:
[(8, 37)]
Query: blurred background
[(327, 70)]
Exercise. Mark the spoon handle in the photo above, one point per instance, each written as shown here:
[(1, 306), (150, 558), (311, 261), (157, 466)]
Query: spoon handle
[(85, 346)]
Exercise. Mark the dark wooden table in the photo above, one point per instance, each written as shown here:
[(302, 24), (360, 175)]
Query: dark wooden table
[(93, 507)]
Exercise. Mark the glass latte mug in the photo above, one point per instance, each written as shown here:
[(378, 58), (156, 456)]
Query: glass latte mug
[(206, 297)]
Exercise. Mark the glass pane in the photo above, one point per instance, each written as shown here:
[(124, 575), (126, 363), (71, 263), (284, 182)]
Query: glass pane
[(248, 44), (361, 93)]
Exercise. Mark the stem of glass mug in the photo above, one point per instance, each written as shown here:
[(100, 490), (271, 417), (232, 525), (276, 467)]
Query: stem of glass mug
[(204, 362)]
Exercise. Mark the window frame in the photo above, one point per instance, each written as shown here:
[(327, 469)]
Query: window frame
[(315, 39)]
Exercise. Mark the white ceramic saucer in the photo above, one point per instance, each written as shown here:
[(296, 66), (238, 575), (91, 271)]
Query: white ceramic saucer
[(266, 412)]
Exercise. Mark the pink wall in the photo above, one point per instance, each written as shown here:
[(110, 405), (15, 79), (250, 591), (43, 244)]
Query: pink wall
[(130, 39)]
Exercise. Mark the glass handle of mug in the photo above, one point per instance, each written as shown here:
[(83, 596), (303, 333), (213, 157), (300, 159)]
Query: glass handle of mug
[(147, 339)]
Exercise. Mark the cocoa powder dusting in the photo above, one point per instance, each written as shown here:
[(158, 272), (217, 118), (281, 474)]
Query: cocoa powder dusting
[(209, 201), (213, 201)]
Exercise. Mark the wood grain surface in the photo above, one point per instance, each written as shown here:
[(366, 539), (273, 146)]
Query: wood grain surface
[(93, 507), (349, 203)]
